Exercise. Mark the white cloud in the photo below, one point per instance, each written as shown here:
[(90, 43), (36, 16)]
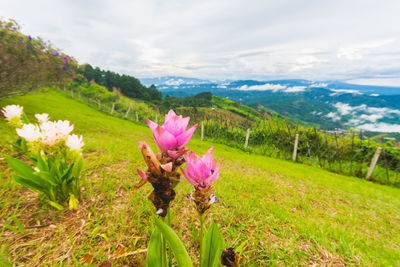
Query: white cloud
[(344, 91), (333, 115), (374, 94), (381, 81), (222, 39), (343, 108), (174, 82), (263, 87), (295, 89), (319, 85), (273, 88), (380, 127), (364, 117)]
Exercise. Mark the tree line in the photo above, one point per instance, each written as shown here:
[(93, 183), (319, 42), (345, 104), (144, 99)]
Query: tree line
[(127, 85)]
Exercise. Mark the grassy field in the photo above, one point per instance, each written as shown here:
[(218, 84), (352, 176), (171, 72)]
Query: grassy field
[(291, 214)]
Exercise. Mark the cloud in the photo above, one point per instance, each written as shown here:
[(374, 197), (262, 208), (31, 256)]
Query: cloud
[(364, 117), (344, 91), (222, 39), (295, 89), (272, 87), (319, 85), (334, 116), (174, 82), (263, 87), (380, 127)]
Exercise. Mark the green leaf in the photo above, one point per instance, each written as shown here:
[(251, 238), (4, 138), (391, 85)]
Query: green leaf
[(20, 166), (77, 168), (175, 244), (41, 164), (239, 249), (155, 251), (55, 205), (27, 176), (25, 119), (73, 202), (212, 246), (31, 184), (48, 177)]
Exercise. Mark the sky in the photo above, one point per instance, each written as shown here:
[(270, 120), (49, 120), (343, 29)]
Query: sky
[(349, 40)]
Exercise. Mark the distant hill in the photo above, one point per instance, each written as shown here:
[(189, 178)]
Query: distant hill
[(325, 104)]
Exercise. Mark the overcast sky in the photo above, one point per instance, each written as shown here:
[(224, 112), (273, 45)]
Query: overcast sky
[(223, 39)]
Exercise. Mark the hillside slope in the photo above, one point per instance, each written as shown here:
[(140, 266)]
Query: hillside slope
[(291, 214)]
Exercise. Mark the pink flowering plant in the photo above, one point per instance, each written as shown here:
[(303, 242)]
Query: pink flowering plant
[(56, 158), (163, 174)]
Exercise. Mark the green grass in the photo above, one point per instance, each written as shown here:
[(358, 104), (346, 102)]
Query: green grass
[(291, 214)]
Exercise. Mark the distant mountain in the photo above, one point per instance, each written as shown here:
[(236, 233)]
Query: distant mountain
[(325, 104)]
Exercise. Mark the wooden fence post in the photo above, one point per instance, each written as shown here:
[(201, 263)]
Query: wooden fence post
[(79, 96), (296, 143), (65, 90), (373, 162), (127, 112), (99, 104), (247, 139), (137, 116), (112, 109), (202, 131), (72, 93), (156, 118)]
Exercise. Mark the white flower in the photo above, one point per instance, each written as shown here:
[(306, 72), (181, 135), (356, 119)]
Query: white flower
[(42, 117), (30, 132), (12, 111), (49, 133), (74, 142), (64, 128)]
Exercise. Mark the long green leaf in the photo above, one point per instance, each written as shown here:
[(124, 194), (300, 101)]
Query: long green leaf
[(211, 246), (77, 167), (181, 255), (41, 164), (31, 184), (26, 172), (155, 250), (19, 166), (48, 177)]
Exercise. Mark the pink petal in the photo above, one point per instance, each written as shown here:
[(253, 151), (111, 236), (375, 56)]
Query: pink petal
[(208, 158), (177, 153), (141, 174), (167, 167), (190, 180), (170, 114), (185, 137), (197, 168), (214, 176), (152, 125), (176, 125), (164, 139)]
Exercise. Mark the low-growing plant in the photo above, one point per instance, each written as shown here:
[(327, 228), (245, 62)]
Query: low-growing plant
[(162, 173), (55, 155)]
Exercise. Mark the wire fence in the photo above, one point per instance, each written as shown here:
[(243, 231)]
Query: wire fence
[(349, 153)]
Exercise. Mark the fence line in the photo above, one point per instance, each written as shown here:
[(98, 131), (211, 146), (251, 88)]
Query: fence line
[(347, 155)]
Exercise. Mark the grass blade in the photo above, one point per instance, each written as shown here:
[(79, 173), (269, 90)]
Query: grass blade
[(181, 255)]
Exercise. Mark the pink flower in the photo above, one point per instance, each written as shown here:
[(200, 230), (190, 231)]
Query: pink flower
[(172, 136), (201, 172)]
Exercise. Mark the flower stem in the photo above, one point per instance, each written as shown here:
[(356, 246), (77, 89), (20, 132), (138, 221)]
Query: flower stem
[(169, 250), (201, 236), (164, 250)]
